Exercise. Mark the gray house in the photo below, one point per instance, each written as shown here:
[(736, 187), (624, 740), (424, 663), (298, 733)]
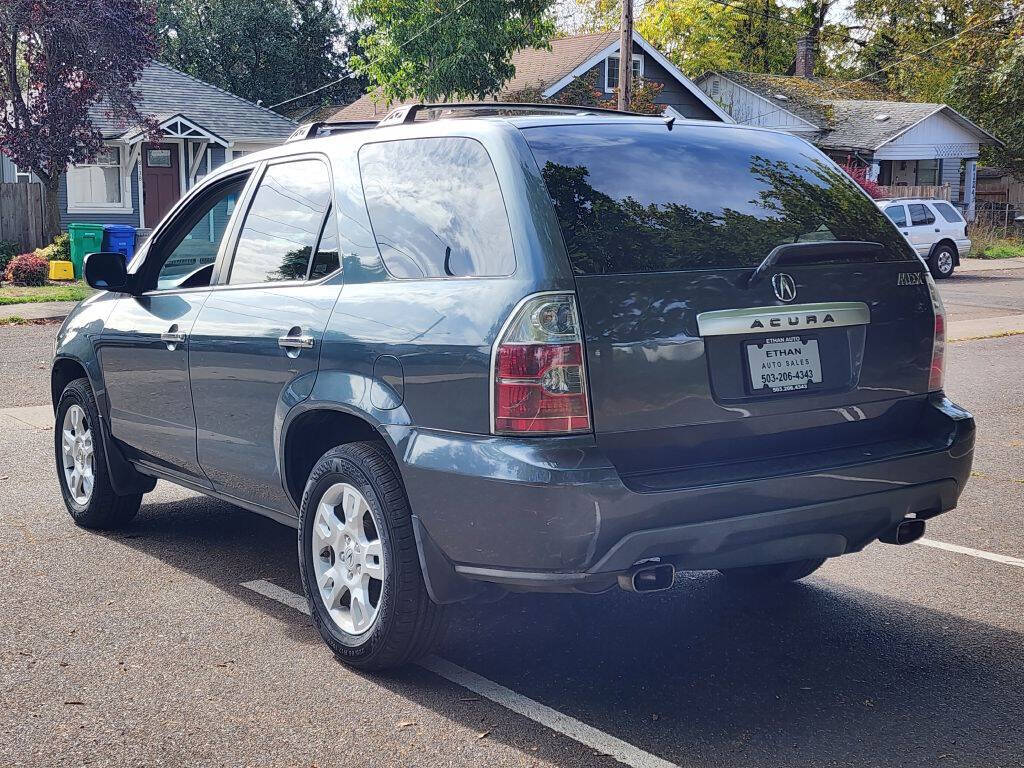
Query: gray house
[(135, 181), (914, 149), (597, 55)]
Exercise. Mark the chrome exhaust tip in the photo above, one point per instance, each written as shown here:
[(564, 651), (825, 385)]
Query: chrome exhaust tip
[(904, 532), (648, 578)]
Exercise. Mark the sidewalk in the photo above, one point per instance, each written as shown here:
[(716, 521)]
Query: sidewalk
[(988, 265), (41, 310)]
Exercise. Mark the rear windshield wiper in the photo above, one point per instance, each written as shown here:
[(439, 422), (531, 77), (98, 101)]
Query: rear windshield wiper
[(809, 252)]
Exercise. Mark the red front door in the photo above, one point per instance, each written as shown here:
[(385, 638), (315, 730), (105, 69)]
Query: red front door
[(161, 182)]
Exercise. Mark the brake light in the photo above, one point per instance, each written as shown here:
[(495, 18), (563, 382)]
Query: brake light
[(937, 372), (538, 374)]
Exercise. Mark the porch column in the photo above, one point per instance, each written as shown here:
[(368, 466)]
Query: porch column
[(970, 184), (873, 170)]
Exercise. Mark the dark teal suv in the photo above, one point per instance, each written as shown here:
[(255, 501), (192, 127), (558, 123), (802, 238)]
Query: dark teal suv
[(519, 349)]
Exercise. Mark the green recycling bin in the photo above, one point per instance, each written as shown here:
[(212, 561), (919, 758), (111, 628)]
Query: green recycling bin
[(85, 239)]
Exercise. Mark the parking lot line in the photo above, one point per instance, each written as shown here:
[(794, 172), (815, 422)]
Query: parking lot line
[(523, 705), (993, 556)]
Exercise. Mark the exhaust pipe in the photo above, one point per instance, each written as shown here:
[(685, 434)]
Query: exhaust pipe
[(904, 532), (648, 578)]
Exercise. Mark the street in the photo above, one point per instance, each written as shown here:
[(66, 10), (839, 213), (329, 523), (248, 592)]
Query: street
[(173, 642)]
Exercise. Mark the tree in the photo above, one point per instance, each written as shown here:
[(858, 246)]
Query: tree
[(76, 54), (261, 50), (447, 49), (583, 91)]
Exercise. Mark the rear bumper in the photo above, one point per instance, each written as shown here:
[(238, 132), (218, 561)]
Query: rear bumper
[(555, 514)]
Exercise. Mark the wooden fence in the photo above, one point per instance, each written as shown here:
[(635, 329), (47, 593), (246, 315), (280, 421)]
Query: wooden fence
[(1001, 191), (21, 215), (928, 193)]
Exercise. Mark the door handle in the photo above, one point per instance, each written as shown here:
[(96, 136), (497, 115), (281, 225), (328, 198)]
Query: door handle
[(295, 342), (173, 337)]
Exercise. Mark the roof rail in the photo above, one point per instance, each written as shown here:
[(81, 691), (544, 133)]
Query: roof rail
[(318, 129), (408, 112)]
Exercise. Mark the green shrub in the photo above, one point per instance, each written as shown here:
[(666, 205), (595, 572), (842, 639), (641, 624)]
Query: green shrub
[(8, 251), (28, 269), (58, 250)]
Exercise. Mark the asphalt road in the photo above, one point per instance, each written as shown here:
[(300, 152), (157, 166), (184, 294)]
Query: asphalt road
[(142, 647)]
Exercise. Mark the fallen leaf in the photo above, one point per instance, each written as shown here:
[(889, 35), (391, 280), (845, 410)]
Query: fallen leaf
[(482, 735), (75, 703), (406, 723), (654, 716)]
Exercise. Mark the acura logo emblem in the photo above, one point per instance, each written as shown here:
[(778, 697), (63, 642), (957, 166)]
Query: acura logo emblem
[(784, 286)]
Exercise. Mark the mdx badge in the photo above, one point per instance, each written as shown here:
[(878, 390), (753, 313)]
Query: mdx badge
[(910, 278), (784, 286)]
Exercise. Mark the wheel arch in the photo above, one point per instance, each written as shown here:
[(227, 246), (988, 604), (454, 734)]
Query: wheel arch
[(63, 371), (953, 247)]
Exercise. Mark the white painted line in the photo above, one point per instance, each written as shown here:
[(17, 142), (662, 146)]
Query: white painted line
[(282, 595), (994, 557), (544, 715)]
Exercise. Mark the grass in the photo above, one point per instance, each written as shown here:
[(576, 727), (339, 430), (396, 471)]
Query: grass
[(1004, 249), (30, 294)]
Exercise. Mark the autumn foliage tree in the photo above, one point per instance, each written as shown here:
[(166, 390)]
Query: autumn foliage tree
[(59, 60)]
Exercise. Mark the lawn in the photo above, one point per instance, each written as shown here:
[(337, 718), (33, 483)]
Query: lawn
[(30, 294), (1004, 249)]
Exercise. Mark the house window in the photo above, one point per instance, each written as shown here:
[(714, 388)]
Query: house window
[(22, 177), (99, 184), (928, 173), (611, 71)]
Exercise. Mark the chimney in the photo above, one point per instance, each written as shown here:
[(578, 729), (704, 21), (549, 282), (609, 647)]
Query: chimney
[(806, 48)]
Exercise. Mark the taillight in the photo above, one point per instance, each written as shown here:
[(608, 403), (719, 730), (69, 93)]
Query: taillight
[(936, 375), (538, 373)]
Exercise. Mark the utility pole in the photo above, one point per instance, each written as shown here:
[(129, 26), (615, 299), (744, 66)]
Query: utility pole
[(626, 56)]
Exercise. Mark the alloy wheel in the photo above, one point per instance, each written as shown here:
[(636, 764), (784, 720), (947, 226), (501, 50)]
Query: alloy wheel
[(348, 558), (79, 458)]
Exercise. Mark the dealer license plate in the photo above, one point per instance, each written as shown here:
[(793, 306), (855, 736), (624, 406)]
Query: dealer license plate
[(780, 365)]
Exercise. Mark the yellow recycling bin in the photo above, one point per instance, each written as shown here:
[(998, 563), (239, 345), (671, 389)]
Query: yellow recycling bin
[(62, 270)]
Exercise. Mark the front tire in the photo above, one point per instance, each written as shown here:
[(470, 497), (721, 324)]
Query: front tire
[(358, 561), (772, 574), (82, 463), (942, 261)]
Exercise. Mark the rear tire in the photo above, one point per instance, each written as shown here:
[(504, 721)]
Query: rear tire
[(358, 561), (82, 463), (775, 573), (942, 261)]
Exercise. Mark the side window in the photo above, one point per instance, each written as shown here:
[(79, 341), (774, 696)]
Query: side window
[(436, 208), (920, 215), (949, 213), (283, 225), (190, 244), (898, 214)]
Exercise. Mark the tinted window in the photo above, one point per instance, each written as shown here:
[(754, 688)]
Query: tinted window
[(898, 214), (283, 224), (436, 208), (642, 198), (919, 215), (949, 213), (193, 238)]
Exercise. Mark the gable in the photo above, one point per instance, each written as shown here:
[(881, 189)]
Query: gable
[(751, 108)]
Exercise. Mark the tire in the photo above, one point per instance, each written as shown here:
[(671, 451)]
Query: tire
[(774, 573), (942, 262), (404, 624), (99, 508)]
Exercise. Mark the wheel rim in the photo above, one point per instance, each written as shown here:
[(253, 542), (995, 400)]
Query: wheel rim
[(944, 261), (348, 559), (79, 459)]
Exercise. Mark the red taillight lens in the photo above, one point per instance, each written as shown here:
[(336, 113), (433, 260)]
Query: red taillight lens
[(539, 374), (937, 372)]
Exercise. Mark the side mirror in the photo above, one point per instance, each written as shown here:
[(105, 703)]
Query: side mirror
[(106, 271)]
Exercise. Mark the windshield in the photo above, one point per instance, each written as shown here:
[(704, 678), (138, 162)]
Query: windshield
[(643, 198)]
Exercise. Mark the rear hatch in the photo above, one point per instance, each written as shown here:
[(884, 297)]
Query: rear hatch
[(699, 374)]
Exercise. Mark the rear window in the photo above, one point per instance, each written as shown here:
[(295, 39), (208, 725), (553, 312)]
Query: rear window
[(643, 198), (898, 214), (948, 213)]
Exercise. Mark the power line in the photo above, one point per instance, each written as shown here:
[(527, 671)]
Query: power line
[(892, 64), (427, 28)]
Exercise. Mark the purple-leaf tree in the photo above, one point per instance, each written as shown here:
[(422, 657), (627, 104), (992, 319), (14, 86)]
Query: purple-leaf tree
[(59, 60)]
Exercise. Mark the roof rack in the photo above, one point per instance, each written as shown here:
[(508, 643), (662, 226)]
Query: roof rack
[(408, 112), (318, 129)]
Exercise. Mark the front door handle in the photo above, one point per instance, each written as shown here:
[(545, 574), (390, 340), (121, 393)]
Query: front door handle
[(295, 342), (173, 337)]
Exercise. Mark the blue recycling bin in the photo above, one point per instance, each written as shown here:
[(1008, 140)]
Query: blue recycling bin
[(119, 238)]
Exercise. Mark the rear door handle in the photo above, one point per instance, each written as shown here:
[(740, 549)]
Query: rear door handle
[(173, 337), (295, 342)]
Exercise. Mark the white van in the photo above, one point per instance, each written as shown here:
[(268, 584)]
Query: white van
[(934, 228)]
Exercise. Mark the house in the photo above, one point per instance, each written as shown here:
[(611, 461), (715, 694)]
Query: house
[(595, 55), (135, 181), (903, 144)]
